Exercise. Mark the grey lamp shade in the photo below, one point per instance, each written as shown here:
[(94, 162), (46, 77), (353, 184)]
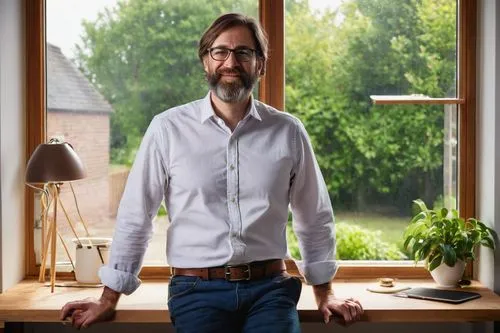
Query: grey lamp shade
[(54, 162)]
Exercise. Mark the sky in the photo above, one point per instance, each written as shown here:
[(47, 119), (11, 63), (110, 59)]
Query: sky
[(64, 19)]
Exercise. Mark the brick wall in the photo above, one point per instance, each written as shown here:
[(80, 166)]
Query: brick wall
[(89, 134)]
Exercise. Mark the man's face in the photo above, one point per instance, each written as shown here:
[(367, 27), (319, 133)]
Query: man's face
[(232, 80)]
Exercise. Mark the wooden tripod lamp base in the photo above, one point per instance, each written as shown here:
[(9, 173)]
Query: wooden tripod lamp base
[(50, 239), (52, 164)]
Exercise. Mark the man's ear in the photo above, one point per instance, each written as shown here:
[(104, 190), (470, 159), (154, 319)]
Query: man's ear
[(205, 64)]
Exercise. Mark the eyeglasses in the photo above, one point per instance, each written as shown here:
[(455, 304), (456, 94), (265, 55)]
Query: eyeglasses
[(222, 53)]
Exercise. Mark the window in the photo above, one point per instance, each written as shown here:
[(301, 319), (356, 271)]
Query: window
[(376, 158), (272, 16), (129, 62)]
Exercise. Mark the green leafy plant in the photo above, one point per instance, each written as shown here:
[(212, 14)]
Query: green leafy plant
[(354, 243), (441, 235)]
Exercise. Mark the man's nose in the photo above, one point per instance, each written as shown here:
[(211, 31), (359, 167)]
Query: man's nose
[(231, 61)]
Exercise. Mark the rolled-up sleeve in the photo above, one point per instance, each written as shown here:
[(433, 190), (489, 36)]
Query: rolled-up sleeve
[(141, 199), (313, 221)]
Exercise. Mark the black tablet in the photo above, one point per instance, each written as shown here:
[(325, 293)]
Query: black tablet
[(440, 295)]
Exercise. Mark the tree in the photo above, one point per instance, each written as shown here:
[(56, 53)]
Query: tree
[(338, 59)]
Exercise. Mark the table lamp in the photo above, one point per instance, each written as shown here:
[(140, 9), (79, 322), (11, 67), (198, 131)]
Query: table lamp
[(50, 165)]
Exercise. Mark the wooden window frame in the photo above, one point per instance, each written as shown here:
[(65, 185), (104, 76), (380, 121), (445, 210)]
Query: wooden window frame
[(272, 91)]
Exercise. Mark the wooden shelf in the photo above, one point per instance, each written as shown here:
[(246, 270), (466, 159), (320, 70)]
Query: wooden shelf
[(413, 99), (31, 301)]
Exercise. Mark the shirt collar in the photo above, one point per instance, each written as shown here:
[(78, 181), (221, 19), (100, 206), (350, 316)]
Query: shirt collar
[(253, 109), (207, 110)]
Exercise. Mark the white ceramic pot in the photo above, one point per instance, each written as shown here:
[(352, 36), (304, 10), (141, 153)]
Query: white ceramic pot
[(90, 256), (448, 277)]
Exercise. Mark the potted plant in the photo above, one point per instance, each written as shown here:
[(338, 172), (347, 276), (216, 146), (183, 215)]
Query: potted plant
[(445, 241)]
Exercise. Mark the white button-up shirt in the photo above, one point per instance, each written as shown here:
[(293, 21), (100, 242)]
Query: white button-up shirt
[(227, 194)]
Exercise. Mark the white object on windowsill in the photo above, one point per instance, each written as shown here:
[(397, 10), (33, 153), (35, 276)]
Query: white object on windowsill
[(448, 277), (90, 256)]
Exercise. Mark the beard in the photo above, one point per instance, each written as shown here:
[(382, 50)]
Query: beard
[(233, 91)]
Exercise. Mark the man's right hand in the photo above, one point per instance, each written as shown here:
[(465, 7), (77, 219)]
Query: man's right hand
[(86, 312)]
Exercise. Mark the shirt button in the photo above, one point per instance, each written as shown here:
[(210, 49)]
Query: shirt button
[(233, 200), (231, 167)]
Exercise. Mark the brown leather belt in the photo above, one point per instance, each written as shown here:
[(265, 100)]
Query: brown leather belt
[(242, 272)]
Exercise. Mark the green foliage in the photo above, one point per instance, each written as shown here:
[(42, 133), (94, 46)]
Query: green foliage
[(354, 243), (440, 235), (338, 59), (441, 201), (292, 242), (162, 211)]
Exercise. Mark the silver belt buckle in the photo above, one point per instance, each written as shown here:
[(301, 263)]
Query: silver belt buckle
[(227, 273)]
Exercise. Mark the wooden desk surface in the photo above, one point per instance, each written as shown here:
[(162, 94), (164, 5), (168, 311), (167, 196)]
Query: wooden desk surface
[(30, 301)]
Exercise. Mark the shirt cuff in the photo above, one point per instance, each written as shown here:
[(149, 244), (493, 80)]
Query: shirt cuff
[(119, 281), (318, 272)]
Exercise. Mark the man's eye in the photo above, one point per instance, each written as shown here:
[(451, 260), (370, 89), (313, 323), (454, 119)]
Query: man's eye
[(220, 52), (244, 52)]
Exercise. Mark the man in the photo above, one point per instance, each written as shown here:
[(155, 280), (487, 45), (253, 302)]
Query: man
[(228, 168)]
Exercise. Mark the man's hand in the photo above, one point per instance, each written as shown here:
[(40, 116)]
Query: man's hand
[(86, 312), (344, 311)]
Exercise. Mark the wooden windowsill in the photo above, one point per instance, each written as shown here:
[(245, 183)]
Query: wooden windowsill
[(31, 301)]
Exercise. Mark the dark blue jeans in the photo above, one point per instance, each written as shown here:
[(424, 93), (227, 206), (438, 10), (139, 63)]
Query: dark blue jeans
[(265, 305)]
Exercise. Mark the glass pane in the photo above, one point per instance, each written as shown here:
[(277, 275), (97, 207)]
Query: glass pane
[(111, 67), (356, 48), (375, 159), (377, 166)]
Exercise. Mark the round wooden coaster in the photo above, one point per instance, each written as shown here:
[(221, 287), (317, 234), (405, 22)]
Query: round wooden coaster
[(376, 288)]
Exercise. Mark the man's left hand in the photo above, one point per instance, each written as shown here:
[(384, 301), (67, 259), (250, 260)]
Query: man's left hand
[(344, 311)]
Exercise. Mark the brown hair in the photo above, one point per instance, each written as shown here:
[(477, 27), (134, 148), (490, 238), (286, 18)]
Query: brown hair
[(230, 20)]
